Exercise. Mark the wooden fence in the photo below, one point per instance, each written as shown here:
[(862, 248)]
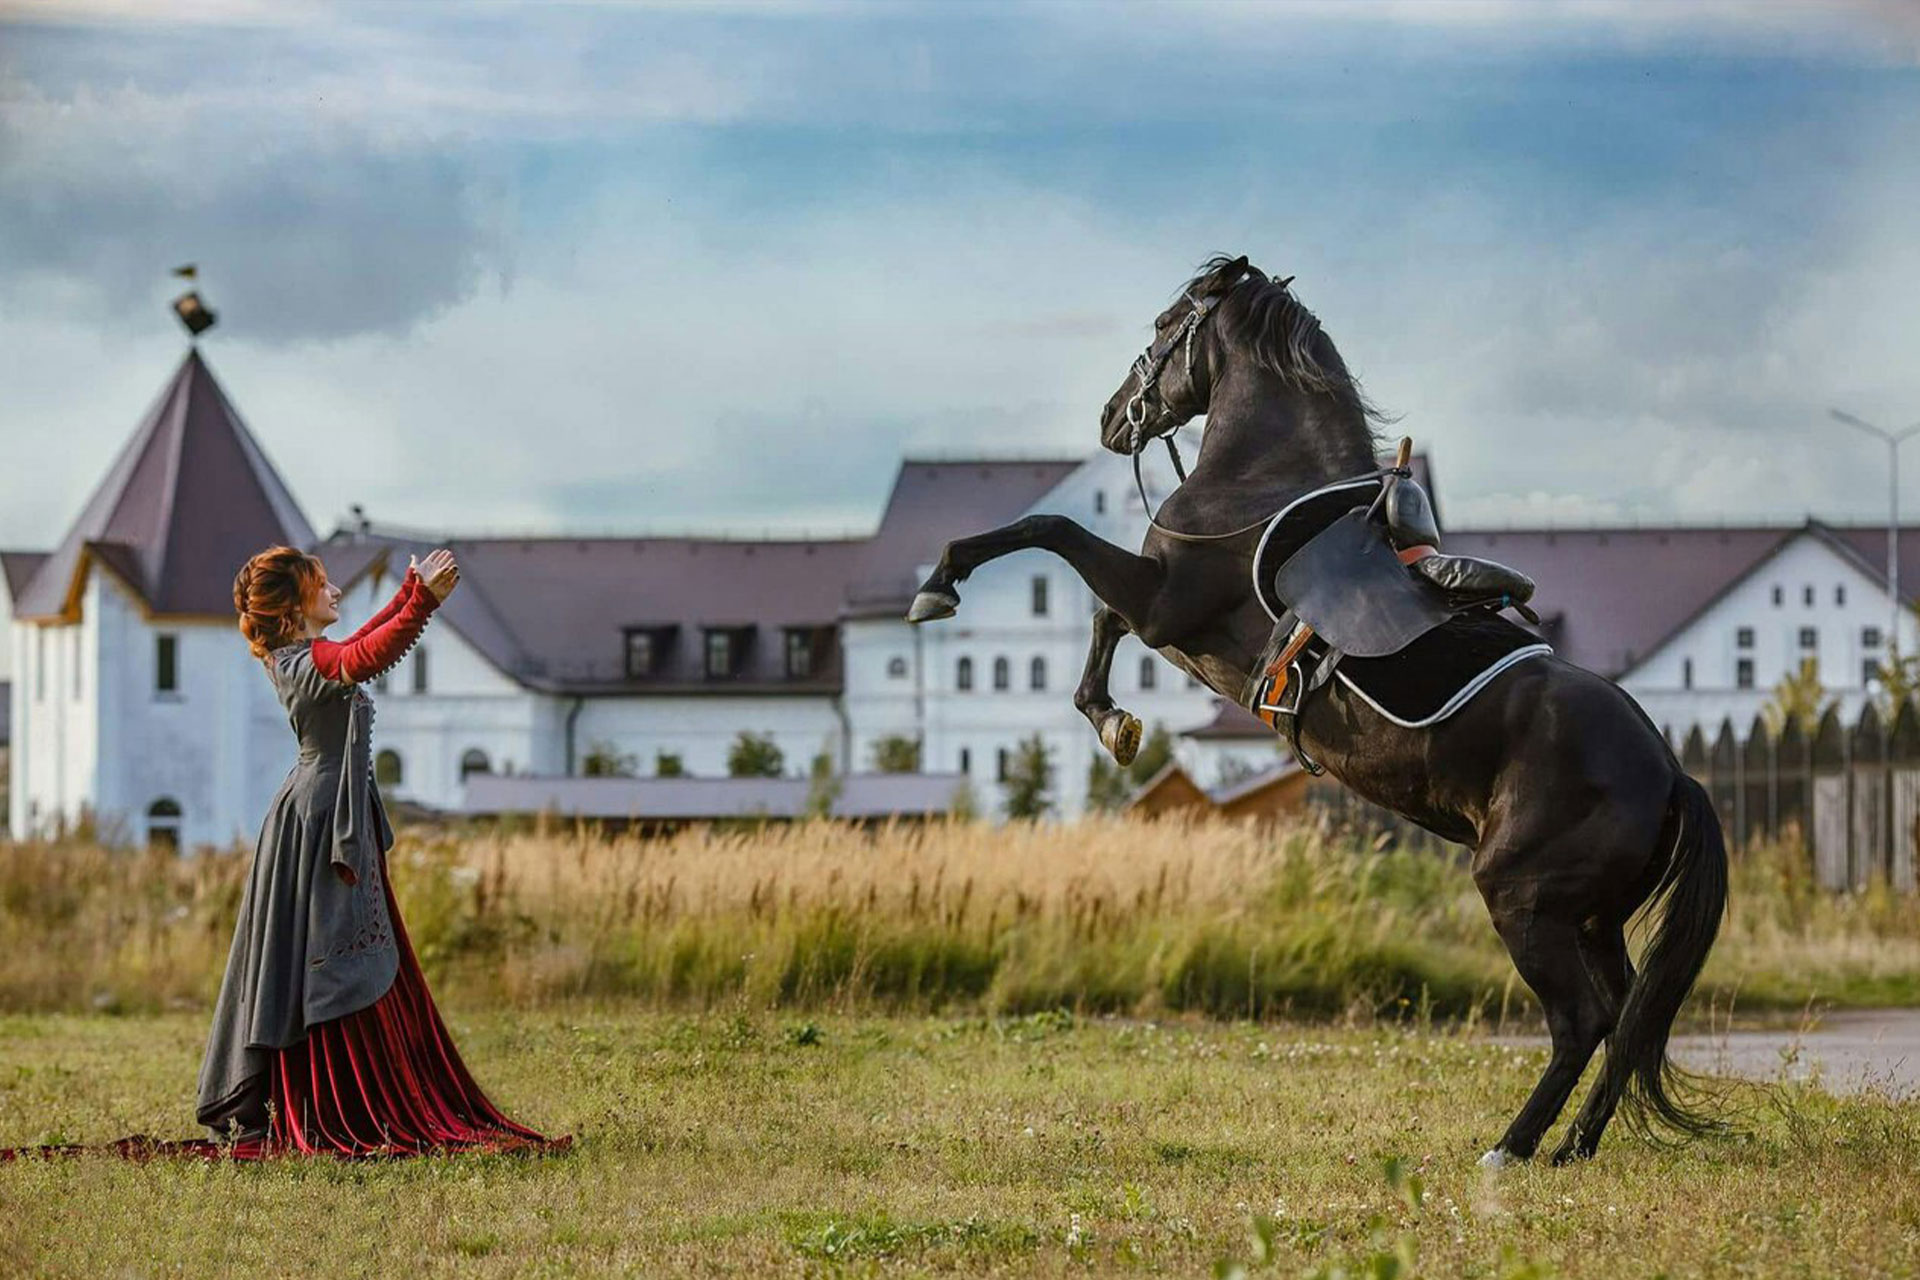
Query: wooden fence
[(1851, 792), (1848, 794)]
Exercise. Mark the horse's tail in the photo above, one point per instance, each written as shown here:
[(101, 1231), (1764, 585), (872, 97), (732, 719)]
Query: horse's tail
[(1691, 898)]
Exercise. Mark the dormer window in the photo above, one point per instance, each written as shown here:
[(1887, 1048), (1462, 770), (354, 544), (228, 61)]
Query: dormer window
[(647, 650), (720, 654), (724, 651), (804, 647)]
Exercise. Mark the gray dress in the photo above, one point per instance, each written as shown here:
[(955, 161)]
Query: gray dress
[(314, 941)]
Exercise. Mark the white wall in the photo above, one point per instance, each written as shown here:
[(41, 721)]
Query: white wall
[(1846, 602), (1217, 762), (700, 728), (468, 705), (996, 620)]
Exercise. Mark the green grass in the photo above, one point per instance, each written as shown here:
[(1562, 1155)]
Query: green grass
[(840, 1145)]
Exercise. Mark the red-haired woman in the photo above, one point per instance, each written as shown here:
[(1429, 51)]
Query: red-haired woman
[(325, 1039)]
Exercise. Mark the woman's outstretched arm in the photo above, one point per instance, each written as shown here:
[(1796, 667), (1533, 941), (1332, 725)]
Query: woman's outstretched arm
[(381, 648), (408, 585)]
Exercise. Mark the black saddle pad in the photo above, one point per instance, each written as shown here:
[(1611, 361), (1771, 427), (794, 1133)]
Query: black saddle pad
[(1297, 524), (1441, 671)]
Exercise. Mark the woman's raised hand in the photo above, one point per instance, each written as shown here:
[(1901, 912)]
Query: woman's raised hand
[(439, 571)]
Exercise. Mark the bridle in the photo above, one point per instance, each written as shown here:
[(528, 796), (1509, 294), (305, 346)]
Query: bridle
[(1147, 369)]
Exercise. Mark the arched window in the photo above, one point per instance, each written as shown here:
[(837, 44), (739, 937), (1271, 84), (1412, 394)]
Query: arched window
[(163, 822), (1147, 673), (963, 675), (896, 668), (386, 768), (420, 670), (1037, 674), (1002, 673), (966, 760), (473, 761)]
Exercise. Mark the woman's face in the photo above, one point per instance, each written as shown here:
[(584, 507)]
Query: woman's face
[(323, 607)]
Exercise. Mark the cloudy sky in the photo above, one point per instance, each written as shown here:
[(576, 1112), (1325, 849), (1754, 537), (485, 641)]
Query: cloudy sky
[(630, 267)]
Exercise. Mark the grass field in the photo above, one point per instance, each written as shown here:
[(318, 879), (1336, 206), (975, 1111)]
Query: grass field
[(1026, 1049), (768, 1144)]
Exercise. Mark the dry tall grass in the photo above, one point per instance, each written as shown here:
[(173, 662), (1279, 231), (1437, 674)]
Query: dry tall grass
[(1218, 918)]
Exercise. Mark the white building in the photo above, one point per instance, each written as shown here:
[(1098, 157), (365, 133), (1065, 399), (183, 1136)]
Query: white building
[(1702, 624), (660, 650), (134, 699)]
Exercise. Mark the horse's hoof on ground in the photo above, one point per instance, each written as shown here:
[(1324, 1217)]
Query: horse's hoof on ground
[(931, 606), (1570, 1154), (1120, 735), (1498, 1159)]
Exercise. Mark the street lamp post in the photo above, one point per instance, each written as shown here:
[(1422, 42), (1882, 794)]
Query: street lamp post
[(1894, 439)]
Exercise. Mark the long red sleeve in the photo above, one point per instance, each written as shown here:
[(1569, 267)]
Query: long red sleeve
[(408, 585), (375, 650)]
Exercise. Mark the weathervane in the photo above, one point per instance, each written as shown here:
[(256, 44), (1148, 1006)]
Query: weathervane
[(193, 313)]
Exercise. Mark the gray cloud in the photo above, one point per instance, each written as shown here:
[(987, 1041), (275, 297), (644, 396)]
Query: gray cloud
[(306, 233)]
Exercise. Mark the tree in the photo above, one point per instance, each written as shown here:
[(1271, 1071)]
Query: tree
[(1799, 699), (1899, 681), (1108, 785), (1153, 755), (755, 755), (605, 760), (823, 787), (897, 753), (1029, 782), (668, 764)]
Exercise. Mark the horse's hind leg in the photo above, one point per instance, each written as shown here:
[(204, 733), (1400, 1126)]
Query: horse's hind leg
[(1119, 732), (1546, 950), (1605, 948)]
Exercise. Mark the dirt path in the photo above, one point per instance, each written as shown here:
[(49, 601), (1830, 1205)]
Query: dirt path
[(1847, 1052)]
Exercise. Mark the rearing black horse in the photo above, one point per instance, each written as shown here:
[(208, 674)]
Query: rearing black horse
[(1573, 803)]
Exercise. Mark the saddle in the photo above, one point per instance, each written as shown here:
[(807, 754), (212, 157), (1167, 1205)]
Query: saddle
[(1355, 569)]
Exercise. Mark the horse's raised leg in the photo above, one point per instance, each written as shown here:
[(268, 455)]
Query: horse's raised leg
[(1545, 949), (1604, 947), (1119, 732), (1122, 580)]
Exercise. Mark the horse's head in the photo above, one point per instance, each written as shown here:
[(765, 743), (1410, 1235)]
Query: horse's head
[(1168, 385)]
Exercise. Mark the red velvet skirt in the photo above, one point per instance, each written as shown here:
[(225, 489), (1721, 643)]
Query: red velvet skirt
[(386, 1081)]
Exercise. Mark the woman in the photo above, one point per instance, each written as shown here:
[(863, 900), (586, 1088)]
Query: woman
[(325, 1039)]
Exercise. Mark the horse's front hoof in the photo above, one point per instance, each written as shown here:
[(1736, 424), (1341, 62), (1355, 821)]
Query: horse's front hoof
[(931, 606), (1498, 1159), (1120, 735)]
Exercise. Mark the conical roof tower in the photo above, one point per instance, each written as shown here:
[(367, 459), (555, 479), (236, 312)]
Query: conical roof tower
[(187, 500)]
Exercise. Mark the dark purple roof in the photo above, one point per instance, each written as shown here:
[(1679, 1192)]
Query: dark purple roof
[(17, 569), (934, 502), (553, 612), (187, 500)]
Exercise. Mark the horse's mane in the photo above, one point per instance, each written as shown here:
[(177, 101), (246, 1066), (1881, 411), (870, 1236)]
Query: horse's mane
[(1259, 313)]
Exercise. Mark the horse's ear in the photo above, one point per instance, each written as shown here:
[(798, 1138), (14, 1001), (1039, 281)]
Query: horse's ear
[(1284, 283), (1237, 268)]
